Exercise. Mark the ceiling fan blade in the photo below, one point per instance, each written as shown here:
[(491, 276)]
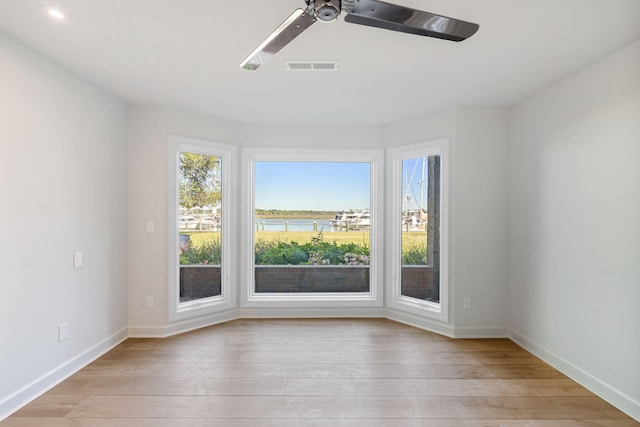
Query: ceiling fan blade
[(282, 36), (375, 13)]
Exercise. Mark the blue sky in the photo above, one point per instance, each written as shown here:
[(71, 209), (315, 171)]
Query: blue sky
[(324, 186)]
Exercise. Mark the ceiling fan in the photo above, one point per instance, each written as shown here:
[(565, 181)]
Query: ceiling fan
[(373, 13)]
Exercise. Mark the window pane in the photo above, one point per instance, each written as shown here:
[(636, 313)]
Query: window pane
[(420, 276), (312, 224), (199, 224)]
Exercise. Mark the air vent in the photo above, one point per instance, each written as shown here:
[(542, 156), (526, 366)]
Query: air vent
[(312, 66)]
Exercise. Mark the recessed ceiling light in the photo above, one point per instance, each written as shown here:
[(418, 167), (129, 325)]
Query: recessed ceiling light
[(55, 13)]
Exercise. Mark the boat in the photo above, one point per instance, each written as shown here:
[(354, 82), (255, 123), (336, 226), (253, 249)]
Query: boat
[(414, 218), (414, 213), (352, 218), (199, 222)]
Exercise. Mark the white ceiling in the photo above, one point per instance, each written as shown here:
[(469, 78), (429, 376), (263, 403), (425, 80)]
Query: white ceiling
[(185, 54)]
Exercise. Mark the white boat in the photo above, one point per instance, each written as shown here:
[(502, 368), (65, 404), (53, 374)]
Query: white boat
[(414, 218), (188, 222), (353, 218), (414, 214), (199, 222)]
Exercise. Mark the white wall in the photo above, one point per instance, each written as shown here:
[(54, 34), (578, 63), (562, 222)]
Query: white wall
[(478, 211), (63, 181), (420, 129), (478, 214), (311, 136), (574, 279), (149, 128), (479, 235)]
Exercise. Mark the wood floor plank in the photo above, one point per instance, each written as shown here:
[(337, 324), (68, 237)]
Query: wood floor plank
[(534, 370), (50, 405), (430, 387), (173, 386), (327, 370), (318, 372), (312, 407), (245, 343), (258, 407), (398, 356), (490, 423), (244, 422), (108, 422), (484, 408)]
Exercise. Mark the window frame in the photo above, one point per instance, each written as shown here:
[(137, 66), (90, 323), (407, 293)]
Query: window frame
[(375, 296), (394, 298), (228, 298)]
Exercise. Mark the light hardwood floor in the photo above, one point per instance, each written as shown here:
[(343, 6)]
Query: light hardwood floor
[(329, 372)]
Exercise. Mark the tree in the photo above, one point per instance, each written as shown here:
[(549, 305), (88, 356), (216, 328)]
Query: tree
[(199, 180)]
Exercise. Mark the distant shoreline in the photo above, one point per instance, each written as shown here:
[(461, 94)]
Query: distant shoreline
[(295, 216), (292, 214)]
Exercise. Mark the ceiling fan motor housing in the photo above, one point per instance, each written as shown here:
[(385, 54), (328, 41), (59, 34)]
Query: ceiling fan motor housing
[(327, 10)]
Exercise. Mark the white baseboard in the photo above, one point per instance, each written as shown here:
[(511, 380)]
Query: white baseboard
[(310, 312), (420, 322), (182, 326), (481, 333), (54, 377), (618, 399), (248, 313)]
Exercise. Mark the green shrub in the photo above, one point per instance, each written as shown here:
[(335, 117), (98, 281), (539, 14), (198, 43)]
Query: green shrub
[(315, 252), (208, 252), (414, 255), (283, 254), (262, 247)]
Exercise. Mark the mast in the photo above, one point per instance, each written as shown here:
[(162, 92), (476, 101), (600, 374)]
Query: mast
[(421, 183)]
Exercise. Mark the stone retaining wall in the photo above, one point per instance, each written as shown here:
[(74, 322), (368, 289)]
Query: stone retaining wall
[(203, 281), (306, 278), (418, 282), (199, 281)]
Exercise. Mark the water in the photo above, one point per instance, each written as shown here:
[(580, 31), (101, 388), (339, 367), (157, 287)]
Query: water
[(307, 225), (294, 224)]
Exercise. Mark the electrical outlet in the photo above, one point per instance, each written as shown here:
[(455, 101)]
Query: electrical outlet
[(77, 260), (63, 332), (467, 303), (150, 302), (150, 227)]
